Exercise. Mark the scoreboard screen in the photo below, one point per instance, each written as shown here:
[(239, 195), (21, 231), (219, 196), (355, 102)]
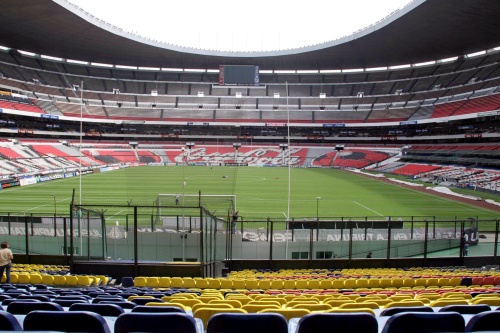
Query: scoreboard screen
[(247, 75)]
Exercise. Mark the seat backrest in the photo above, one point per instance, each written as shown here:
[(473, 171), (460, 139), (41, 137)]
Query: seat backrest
[(68, 302), (156, 309), (339, 322), (466, 309), (122, 304), (8, 322), (155, 323), (42, 298), (484, 321), (22, 307), (247, 323), (423, 322), (65, 321), (110, 310), (393, 311)]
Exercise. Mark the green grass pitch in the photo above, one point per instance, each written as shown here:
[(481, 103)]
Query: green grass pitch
[(260, 192)]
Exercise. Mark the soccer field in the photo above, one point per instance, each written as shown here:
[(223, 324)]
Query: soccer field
[(260, 193)]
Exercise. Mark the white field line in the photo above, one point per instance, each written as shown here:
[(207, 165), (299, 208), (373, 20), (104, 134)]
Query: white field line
[(357, 203)]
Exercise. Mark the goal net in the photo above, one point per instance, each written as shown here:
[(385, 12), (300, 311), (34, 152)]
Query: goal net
[(218, 204)]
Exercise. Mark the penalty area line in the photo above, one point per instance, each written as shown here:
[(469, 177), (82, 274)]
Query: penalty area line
[(357, 203)]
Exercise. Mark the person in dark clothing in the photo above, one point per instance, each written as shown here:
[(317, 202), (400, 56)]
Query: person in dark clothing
[(234, 220), (369, 255)]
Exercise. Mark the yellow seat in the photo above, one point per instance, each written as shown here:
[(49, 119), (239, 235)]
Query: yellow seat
[(254, 308), (189, 282), (187, 302), (164, 282), (339, 310), (301, 284), (23, 278), (14, 278), (176, 282), (239, 284), (369, 305), (362, 283), (83, 280), (233, 302), (226, 284), (288, 313), (152, 282), (264, 284), (59, 280), (492, 301), (404, 303), (289, 284), (46, 279), (140, 281), (204, 313), (312, 306), (338, 302), (252, 284), (448, 301), (373, 283), (103, 280), (71, 280), (35, 278), (276, 284), (338, 283)]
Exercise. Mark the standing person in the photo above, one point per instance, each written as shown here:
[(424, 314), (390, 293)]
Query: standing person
[(177, 200), (235, 219), (466, 250), (5, 261)]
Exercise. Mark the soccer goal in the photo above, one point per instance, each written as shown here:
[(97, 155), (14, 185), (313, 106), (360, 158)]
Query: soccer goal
[(218, 204)]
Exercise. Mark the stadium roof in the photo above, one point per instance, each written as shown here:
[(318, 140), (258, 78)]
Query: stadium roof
[(422, 31)]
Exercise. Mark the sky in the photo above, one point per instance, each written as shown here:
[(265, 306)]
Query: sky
[(232, 25)]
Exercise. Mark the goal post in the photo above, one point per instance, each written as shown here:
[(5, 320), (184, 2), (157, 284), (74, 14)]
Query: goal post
[(218, 204)]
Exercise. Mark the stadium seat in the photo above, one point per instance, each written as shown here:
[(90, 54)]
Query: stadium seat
[(337, 322), (466, 309), (156, 309), (155, 323), (109, 310), (65, 321), (8, 322), (392, 311), (247, 323), (484, 321), (22, 307), (128, 281), (423, 322)]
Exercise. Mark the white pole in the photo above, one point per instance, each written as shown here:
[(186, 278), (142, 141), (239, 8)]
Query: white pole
[(289, 168), (80, 166)]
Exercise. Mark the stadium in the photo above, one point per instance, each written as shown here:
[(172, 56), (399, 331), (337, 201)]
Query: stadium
[(363, 165)]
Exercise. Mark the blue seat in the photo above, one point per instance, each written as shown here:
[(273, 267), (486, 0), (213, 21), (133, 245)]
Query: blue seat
[(423, 322), (127, 281), (144, 301), (156, 309), (65, 321), (110, 310), (68, 302), (122, 304), (399, 309), (249, 323), (155, 323), (22, 307), (484, 321), (337, 322), (8, 322), (43, 298), (114, 298), (11, 300), (466, 309)]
